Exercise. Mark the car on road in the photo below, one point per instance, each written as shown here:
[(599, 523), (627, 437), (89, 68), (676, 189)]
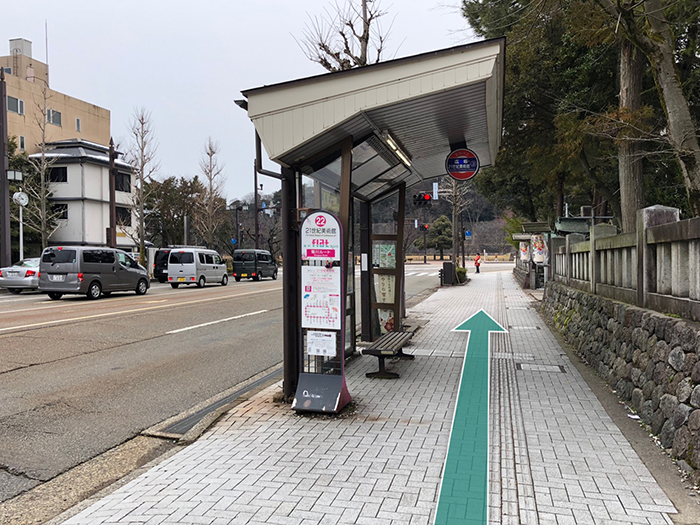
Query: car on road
[(89, 270), (196, 265), (160, 264), (254, 264), (23, 275)]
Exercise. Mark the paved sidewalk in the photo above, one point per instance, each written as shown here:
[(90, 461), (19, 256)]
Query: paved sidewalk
[(555, 455)]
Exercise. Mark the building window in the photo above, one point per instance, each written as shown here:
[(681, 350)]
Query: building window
[(58, 174), (123, 216), (15, 105), (53, 117), (123, 182), (8, 70), (61, 210), (77, 125), (22, 146)]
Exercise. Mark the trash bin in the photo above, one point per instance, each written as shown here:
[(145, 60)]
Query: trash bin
[(448, 272)]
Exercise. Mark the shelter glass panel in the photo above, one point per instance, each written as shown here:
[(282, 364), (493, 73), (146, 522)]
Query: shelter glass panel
[(384, 214)]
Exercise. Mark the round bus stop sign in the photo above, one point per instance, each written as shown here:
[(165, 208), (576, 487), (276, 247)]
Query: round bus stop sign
[(462, 164)]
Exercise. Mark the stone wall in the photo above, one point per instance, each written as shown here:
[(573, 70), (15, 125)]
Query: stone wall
[(650, 359)]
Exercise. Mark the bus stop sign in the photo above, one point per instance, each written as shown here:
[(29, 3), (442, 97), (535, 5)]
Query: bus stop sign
[(462, 164)]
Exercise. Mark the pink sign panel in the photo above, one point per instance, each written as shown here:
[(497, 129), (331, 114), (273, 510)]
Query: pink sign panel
[(330, 254)]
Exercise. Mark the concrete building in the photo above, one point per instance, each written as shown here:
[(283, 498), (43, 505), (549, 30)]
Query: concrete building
[(80, 182), (76, 136), (67, 117)]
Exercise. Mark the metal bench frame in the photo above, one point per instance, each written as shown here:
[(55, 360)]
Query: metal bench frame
[(389, 345)]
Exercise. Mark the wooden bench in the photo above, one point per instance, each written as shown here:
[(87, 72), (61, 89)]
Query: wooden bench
[(389, 345)]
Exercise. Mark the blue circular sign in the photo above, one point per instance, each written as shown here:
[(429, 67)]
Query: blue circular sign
[(462, 164)]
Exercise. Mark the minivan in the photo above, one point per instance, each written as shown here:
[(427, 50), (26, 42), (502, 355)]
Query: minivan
[(253, 264), (93, 271), (196, 265)]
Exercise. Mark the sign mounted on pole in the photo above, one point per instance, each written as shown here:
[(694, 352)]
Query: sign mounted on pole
[(462, 164), (321, 386)]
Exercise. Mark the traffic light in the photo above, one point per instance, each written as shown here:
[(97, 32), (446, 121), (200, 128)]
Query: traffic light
[(422, 199), (424, 227)]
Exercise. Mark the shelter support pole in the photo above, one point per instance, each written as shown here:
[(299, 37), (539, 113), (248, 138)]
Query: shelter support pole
[(399, 310), (365, 275), (290, 281), (346, 202)]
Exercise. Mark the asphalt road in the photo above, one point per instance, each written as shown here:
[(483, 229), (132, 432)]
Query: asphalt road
[(79, 377)]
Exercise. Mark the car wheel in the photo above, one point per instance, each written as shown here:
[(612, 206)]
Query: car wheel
[(94, 291), (55, 295), (174, 285), (224, 280), (257, 277), (200, 283), (161, 280), (141, 287), (274, 275), (15, 291), (238, 279)]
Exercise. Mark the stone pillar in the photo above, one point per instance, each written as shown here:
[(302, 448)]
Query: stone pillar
[(646, 263), (556, 243), (572, 238), (598, 231)]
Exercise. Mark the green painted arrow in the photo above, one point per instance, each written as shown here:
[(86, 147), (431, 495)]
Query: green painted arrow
[(463, 498)]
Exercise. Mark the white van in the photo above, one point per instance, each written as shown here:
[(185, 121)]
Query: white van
[(196, 265)]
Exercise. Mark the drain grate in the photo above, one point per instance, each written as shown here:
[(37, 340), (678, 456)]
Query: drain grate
[(186, 424), (532, 367)]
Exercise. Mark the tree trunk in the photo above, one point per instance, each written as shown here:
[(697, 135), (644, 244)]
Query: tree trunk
[(629, 152), (681, 129)]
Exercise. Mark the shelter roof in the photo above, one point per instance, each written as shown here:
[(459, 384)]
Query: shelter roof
[(404, 114)]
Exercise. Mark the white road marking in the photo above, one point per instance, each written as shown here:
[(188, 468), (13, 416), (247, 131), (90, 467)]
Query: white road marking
[(135, 310), (215, 322)]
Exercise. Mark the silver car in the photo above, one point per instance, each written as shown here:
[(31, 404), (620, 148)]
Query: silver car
[(23, 275)]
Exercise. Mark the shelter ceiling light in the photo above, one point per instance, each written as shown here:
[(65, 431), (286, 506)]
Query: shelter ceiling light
[(395, 148)]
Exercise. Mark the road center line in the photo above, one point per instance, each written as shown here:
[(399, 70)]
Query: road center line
[(135, 310), (215, 322)]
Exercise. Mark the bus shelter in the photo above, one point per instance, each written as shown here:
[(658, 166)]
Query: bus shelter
[(360, 137)]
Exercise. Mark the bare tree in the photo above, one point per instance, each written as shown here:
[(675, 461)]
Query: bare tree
[(39, 214), (142, 157), (457, 194), (347, 36), (210, 209)]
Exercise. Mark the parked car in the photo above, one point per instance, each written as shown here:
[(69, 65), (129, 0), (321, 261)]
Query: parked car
[(196, 265), (23, 275), (253, 264), (88, 270)]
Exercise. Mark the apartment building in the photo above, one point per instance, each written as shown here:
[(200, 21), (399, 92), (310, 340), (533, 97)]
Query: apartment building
[(67, 117), (77, 134)]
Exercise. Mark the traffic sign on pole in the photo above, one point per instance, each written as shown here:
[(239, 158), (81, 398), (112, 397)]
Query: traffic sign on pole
[(462, 164)]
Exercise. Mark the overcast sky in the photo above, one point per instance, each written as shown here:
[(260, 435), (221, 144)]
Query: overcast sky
[(186, 62)]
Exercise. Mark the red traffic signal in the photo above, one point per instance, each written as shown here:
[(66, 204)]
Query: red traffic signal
[(424, 226), (422, 199)]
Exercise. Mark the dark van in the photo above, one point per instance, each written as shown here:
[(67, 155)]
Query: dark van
[(92, 271), (253, 264)]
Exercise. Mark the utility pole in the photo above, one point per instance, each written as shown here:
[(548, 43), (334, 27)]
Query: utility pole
[(257, 224), (112, 230), (5, 251)]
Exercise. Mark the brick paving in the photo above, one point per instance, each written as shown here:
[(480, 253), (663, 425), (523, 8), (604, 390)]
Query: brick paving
[(555, 456)]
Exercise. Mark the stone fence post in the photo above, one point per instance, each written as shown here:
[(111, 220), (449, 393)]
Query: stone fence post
[(646, 264), (598, 231), (572, 238)]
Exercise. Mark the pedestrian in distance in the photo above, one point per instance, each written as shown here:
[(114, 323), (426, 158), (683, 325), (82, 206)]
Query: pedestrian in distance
[(477, 262)]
